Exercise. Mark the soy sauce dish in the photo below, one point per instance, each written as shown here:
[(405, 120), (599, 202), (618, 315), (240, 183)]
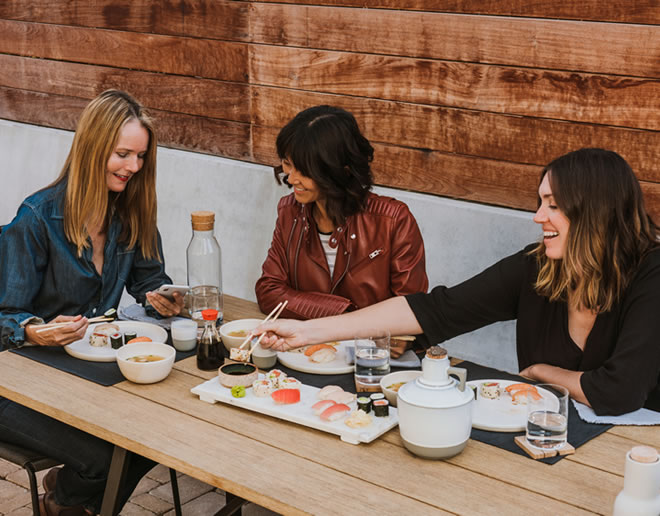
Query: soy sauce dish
[(145, 362), (238, 373)]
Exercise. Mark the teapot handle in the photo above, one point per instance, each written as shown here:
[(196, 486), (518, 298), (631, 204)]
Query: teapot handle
[(462, 376)]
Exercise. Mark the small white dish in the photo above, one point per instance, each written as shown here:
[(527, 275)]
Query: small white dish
[(239, 325), (392, 378)]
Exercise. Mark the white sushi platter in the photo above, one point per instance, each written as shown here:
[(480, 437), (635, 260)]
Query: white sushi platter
[(301, 413)]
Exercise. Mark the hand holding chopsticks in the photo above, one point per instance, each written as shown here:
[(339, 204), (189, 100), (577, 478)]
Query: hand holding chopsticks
[(265, 320), (280, 306), (51, 326)]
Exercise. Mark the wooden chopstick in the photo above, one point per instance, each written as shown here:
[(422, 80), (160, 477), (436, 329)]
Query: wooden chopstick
[(46, 327), (404, 337), (249, 337), (262, 335)]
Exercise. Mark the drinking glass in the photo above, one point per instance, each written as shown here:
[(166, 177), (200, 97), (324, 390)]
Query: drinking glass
[(202, 298), (372, 360), (547, 417)]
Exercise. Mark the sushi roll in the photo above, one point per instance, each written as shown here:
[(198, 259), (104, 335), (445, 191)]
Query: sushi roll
[(129, 335), (364, 404), (101, 334), (319, 407), (490, 390), (276, 377), (377, 396), (336, 411), (240, 355), (116, 340), (285, 396), (262, 388), (381, 408), (289, 383)]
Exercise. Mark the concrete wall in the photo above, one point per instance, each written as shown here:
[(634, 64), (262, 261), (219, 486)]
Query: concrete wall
[(461, 238)]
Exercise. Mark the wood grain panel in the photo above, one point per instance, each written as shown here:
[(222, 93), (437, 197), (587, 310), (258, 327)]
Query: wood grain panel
[(218, 137), (166, 54), (492, 136), (204, 97), (202, 18), (611, 100), (634, 11), (623, 49), (449, 175)]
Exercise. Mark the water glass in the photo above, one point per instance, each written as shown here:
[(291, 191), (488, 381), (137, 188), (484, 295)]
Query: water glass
[(184, 334), (202, 298), (547, 417), (372, 360)]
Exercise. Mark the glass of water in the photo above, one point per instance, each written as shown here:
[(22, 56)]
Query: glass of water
[(202, 298), (372, 360), (547, 416)]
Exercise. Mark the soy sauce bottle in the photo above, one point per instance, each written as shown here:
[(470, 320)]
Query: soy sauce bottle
[(210, 355)]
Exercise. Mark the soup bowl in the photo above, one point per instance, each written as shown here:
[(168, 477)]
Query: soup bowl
[(390, 380), (234, 333), (145, 372)]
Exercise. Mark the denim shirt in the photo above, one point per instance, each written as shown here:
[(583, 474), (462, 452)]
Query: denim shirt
[(41, 275)]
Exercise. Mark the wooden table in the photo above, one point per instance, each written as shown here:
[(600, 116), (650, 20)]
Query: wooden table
[(292, 469)]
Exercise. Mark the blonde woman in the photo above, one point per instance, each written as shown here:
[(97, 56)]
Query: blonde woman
[(586, 297), (67, 256)]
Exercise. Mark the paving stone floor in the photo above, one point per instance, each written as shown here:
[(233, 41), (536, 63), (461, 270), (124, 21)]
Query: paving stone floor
[(153, 495)]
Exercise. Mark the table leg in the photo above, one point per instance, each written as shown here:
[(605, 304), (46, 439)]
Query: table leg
[(116, 476)]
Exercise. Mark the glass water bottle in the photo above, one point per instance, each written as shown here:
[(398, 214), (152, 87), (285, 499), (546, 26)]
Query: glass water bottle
[(203, 256)]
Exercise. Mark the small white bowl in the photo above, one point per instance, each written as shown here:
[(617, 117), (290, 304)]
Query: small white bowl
[(146, 372), (264, 358), (392, 378), (231, 341)]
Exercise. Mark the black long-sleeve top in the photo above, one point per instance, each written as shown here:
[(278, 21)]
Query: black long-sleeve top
[(621, 357)]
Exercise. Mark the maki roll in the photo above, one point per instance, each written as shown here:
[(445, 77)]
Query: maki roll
[(377, 396), (364, 404), (490, 390), (129, 335), (276, 377), (381, 408), (262, 388), (101, 334), (116, 340)]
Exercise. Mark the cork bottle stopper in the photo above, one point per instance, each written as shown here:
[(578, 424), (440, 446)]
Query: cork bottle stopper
[(644, 454), (202, 220), (436, 353)]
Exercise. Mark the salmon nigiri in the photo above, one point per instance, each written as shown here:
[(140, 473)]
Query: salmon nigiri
[(519, 397), (319, 407), (519, 387), (336, 411), (313, 349), (286, 396)]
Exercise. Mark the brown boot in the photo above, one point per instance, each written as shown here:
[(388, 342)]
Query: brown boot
[(49, 507), (50, 480)]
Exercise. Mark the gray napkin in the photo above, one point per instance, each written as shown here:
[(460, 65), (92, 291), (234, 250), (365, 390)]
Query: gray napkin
[(637, 417)]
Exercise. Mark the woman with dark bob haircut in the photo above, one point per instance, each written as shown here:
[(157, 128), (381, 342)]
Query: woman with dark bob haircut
[(336, 247), (585, 297)]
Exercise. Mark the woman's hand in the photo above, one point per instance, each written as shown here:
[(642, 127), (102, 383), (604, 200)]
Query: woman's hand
[(61, 335), (284, 334), (164, 306)]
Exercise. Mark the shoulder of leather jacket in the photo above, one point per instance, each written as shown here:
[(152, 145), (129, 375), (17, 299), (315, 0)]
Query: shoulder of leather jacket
[(384, 206)]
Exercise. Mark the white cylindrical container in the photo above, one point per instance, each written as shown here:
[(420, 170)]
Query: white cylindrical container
[(203, 256), (641, 484)]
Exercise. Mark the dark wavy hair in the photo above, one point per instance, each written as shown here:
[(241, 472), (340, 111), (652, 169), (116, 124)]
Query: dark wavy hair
[(325, 144), (609, 231)]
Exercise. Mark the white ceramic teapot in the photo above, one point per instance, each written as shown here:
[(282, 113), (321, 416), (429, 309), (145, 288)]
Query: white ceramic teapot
[(435, 411)]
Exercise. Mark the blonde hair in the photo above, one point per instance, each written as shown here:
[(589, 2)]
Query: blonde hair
[(609, 231), (87, 200)]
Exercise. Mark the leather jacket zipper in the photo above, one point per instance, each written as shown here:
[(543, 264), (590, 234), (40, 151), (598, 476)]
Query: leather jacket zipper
[(348, 262), (295, 263)]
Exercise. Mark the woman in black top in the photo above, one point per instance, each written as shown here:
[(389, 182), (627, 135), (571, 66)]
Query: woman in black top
[(586, 297)]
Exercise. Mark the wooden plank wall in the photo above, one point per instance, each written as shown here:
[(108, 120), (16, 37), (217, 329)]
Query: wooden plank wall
[(461, 98)]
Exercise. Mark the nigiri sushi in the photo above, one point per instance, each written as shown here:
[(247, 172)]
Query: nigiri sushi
[(320, 406), (323, 355), (313, 349), (519, 387), (341, 397), (286, 396), (335, 412), (324, 393), (520, 397)]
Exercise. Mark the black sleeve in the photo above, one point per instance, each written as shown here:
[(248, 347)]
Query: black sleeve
[(630, 377), (486, 298)]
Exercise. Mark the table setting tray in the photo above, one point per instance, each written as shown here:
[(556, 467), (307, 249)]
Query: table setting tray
[(301, 413)]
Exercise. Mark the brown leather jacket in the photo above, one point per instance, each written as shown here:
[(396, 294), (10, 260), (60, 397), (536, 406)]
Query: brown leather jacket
[(380, 254)]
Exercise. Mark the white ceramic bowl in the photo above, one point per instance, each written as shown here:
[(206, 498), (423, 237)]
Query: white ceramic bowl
[(264, 358), (231, 341), (145, 372), (392, 378)]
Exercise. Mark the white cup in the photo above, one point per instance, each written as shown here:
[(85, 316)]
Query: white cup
[(184, 334)]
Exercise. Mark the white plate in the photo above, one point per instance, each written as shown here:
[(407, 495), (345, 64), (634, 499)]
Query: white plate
[(500, 415), (301, 412), (84, 350), (300, 362)]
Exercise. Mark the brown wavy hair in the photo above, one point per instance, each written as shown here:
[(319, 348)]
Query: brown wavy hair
[(609, 232), (87, 200)]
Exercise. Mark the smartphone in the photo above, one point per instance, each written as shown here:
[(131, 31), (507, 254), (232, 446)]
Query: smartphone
[(169, 290)]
